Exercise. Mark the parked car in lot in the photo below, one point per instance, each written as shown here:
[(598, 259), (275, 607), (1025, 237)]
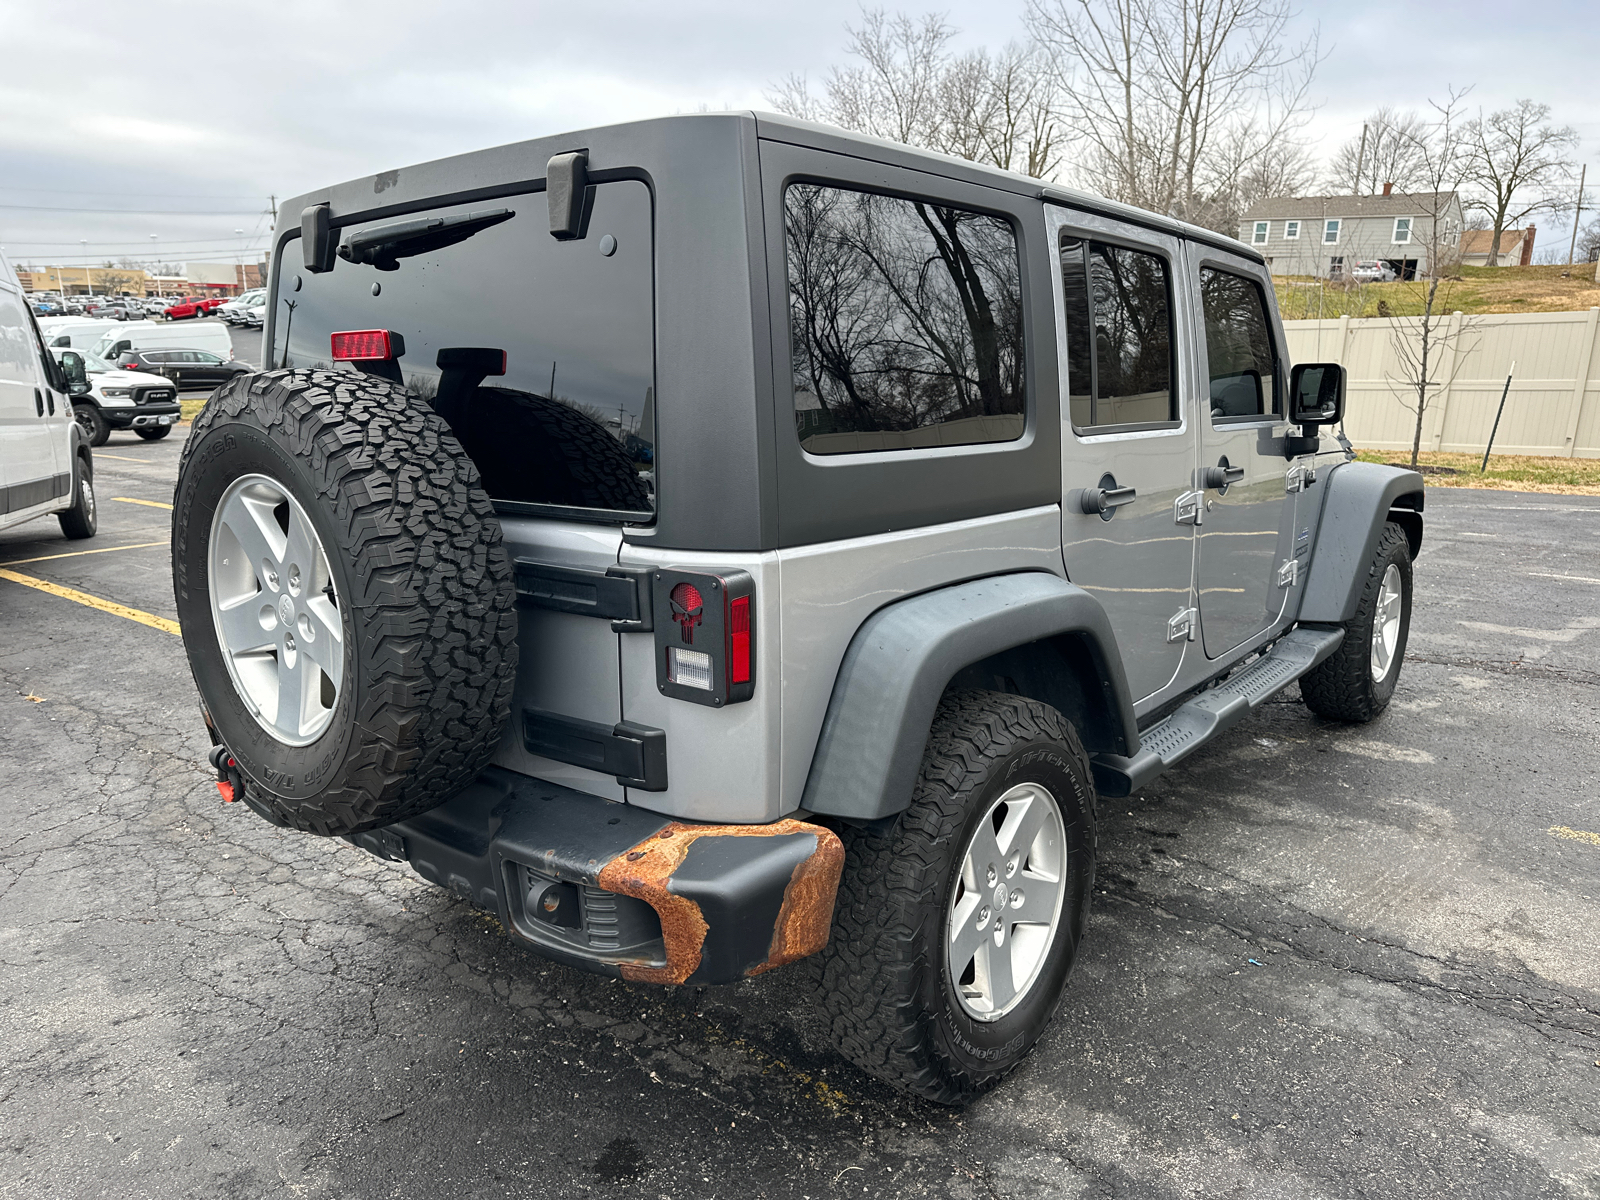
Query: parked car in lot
[(138, 400), (192, 306), (1056, 512), (233, 311), (46, 465), (117, 340), (117, 310), (255, 316), (76, 333), (185, 367), (1372, 271)]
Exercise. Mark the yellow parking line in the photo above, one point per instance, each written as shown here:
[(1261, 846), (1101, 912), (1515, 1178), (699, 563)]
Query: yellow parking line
[(119, 610), (123, 457), (148, 503), (1575, 835), (18, 562)]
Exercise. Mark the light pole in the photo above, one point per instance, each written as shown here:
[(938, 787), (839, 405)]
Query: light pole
[(87, 282), (155, 249), (239, 233)]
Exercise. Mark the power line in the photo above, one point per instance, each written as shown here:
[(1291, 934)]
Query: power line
[(144, 212), (6, 187), (146, 242)]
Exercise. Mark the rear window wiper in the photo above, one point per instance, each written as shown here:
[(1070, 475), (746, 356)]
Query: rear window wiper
[(384, 246)]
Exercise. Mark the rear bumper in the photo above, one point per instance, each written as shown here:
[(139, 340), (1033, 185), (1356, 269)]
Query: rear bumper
[(614, 889)]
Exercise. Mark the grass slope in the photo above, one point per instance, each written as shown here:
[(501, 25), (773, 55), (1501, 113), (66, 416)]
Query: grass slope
[(1478, 290)]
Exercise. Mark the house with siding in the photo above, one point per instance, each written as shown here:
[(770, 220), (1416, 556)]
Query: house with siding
[(1516, 247), (1325, 236)]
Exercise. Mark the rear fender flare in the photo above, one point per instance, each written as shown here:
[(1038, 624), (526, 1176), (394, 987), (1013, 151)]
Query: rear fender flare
[(905, 655), (1359, 498)]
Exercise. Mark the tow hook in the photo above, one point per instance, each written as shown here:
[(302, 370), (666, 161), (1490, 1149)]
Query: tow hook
[(230, 780)]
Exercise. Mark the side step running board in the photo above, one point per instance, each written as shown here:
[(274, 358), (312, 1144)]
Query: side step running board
[(1199, 720)]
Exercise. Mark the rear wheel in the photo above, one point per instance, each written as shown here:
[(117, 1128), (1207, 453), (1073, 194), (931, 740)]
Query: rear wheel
[(91, 423), (958, 922)]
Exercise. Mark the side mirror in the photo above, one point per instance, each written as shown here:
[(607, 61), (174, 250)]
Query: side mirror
[(75, 373), (1316, 394)]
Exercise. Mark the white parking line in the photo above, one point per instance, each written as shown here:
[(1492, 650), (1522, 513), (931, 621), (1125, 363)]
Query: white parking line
[(1568, 578)]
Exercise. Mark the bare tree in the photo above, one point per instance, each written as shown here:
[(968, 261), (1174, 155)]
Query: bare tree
[(907, 86), (1423, 343), (1588, 249), (1520, 163), (1157, 88), (1386, 154)]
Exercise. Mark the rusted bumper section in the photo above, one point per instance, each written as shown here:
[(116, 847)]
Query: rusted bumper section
[(618, 890)]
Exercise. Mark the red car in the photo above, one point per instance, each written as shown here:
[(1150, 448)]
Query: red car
[(192, 306)]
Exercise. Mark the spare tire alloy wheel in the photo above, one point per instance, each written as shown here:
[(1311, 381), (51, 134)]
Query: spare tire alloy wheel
[(275, 608), (347, 603)]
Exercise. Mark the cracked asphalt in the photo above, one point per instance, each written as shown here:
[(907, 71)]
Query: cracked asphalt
[(1324, 961)]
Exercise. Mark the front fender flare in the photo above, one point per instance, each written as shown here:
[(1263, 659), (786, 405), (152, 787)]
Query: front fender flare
[(903, 657), (1356, 505)]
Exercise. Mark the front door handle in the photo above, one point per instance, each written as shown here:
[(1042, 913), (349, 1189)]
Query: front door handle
[(1221, 475), (1102, 501)]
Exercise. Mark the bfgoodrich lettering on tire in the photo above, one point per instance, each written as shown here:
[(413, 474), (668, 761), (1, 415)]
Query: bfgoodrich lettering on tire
[(347, 605), (959, 920)]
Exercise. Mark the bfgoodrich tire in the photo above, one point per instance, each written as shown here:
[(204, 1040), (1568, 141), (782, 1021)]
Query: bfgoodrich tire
[(1357, 681), (347, 604), (908, 979)]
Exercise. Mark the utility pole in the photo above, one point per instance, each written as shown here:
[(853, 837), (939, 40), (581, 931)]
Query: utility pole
[(1361, 158), (1577, 216)]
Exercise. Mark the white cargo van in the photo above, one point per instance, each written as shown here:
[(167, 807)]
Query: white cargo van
[(191, 335), (45, 464), (76, 333)]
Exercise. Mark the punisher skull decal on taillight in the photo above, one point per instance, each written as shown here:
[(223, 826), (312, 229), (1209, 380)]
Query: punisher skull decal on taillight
[(705, 650)]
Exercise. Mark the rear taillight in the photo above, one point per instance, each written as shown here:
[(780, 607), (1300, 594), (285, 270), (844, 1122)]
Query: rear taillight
[(133, 366), (705, 648), (367, 345), (739, 640)]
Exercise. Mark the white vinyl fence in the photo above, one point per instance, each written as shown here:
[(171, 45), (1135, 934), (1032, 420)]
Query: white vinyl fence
[(1553, 407)]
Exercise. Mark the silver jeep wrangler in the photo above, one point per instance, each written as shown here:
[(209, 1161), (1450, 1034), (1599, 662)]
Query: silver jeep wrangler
[(721, 541)]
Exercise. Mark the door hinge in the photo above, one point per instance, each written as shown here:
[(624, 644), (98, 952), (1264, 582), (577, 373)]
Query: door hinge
[(618, 594), (1289, 573), (1299, 478), (1181, 627), (1189, 509)]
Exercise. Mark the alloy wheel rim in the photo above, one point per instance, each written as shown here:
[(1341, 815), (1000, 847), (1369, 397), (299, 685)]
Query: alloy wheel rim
[(1386, 623), (275, 609), (1006, 906)]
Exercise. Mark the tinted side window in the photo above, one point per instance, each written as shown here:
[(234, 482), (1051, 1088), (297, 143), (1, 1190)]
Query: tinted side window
[(905, 323), (1243, 365), (1119, 335), (16, 342), (571, 422)]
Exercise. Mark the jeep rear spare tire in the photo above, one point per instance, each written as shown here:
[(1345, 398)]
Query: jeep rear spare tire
[(347, 605)]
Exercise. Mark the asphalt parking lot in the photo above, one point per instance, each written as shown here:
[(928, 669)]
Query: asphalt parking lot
[(1324, 961)]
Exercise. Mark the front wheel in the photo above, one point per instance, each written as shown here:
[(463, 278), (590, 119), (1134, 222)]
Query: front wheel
[(80, 520), (1357, 681), (959, 921), (153, 433), (93, 425)]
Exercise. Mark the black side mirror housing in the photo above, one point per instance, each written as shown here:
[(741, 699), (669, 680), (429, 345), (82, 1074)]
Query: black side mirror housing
[(74, 373), (1316, 394)]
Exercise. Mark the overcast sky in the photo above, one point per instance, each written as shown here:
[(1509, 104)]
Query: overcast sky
[(195, 111)]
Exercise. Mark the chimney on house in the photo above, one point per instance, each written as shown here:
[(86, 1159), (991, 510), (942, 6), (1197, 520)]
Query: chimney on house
[(1527, 244), (1387, 188)]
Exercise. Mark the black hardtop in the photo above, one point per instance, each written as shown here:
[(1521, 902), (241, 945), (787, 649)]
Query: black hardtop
[(724, 467)]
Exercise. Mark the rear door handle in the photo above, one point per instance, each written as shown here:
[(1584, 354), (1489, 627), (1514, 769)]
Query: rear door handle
[(1101, 501), (1221, 475)]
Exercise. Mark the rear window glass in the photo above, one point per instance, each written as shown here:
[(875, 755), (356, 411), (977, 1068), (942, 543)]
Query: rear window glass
[(905, 323), (571, 423)]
